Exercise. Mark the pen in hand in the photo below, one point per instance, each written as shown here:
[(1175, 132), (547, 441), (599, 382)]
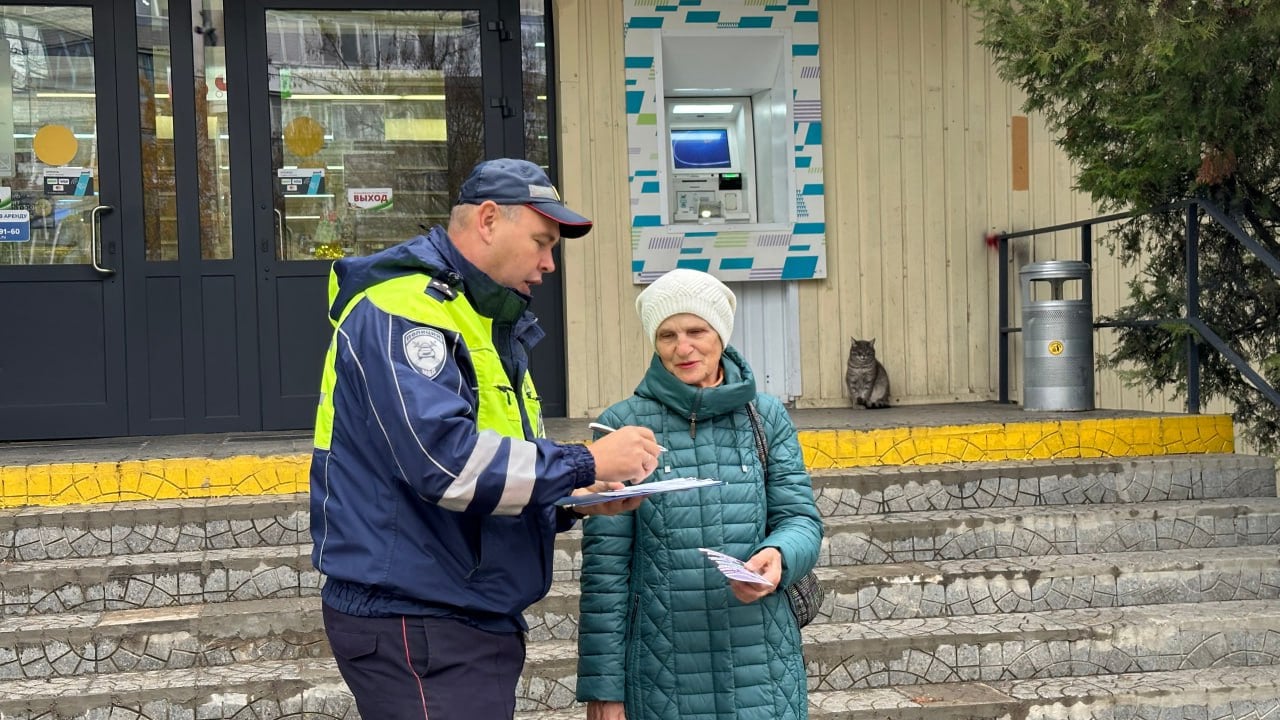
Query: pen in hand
[(606, 429)]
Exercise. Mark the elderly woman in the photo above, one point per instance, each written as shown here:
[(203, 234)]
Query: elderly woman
[(662, 633)]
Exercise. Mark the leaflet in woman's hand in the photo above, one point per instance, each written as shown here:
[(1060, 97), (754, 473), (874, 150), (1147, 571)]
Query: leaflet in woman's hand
[(733, 568), (649, 488)]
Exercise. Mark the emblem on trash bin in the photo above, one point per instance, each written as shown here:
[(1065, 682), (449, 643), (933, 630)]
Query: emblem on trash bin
[(1055, 347)]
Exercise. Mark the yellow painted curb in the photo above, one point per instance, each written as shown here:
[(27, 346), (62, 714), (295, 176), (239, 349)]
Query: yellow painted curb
[(159, 479), (1115, 437), (194, 478)]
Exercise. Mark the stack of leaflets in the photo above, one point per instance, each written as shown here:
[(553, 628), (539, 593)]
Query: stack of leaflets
[(733, 568), (649, 488)]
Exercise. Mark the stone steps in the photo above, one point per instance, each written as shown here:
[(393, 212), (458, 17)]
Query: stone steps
[(314, 689), (954, 591), (167, 638), (176, 578), (1051, 530), (857, 593), (115, 529), (1013, 646), (1004, 532), (903, 488), (839, 656), (151, 580), (37, 533), (1244, 693), (283, 622)]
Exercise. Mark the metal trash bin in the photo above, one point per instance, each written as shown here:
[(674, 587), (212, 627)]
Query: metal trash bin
[(1057, 337)]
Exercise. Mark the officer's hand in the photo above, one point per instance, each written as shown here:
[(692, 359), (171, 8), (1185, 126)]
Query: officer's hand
[(613, 507), (628, 454)]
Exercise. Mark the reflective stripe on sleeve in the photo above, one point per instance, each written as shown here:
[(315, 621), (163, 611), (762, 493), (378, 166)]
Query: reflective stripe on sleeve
[(463, 489), (521, 463)]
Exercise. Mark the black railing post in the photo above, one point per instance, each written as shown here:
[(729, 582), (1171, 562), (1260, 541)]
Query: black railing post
[(1086, 256), (1003, 271), (1193, 307)]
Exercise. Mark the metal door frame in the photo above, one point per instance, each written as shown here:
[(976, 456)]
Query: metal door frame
[(110, 415)]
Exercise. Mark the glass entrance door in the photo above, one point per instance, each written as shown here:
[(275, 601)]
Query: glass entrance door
[(61, 262), (365, 125)]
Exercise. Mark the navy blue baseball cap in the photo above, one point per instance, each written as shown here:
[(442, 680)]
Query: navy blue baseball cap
[(508, 181)]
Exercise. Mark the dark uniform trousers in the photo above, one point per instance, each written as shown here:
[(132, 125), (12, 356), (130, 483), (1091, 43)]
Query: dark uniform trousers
[(424, 667)]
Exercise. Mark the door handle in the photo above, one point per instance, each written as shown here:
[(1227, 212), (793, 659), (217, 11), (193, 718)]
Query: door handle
[(279, 233), (95, 240)]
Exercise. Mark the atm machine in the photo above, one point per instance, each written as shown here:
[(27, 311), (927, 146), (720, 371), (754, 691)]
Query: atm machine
[(711, 160)]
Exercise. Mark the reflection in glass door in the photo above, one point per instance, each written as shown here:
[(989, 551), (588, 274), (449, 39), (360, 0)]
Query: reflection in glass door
[(370, 120), (48, 137), (379, 116), (62, 371)]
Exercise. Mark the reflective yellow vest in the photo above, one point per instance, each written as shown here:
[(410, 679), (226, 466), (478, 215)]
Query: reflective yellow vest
[(498, 406)]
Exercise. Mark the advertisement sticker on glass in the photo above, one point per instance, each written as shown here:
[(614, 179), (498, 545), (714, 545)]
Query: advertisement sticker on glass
[(301, 181), (68, 182), (369, 198), (15, 225)]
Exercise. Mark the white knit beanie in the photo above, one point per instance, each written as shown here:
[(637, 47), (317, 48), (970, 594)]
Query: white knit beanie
[(687, 291)]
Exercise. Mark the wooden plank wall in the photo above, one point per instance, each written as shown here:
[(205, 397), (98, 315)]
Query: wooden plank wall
[(918, 147)]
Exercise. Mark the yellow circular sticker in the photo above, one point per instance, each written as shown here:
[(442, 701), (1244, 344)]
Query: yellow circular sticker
[(304, 136), (55, 144), (1055, 347)]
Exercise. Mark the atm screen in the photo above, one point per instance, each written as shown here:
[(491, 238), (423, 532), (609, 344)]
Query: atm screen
[(702, 149)]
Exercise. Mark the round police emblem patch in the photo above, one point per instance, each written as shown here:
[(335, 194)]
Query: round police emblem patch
[(424, 348)]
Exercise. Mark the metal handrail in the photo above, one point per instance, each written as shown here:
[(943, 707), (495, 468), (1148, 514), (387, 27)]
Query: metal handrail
[(1191, 319)]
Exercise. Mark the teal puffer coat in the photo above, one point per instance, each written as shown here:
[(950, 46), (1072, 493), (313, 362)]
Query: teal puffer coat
[(659, 627)]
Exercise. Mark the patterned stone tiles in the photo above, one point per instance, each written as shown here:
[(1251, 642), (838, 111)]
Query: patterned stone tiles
[(881, 489), (1006, 532), (858, 593), (247, 691), (39, 533), (994, 590), (157, 580), (1050, 530), (1227, 693), (1080, 642), (1214, 694), (1023, 584), (160, 638)]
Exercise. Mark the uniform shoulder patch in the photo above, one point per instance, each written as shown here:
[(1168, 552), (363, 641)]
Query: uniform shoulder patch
[(425, 349)]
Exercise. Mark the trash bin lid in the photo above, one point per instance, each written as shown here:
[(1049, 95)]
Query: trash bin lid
[(1055, 269)]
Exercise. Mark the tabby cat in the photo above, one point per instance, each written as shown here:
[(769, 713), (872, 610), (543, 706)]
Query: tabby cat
[(864, 377)]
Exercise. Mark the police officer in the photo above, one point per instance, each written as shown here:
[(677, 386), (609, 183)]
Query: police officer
[(432, 488)]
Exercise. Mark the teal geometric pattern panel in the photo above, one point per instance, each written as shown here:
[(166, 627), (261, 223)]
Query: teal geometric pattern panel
[(796, 252)]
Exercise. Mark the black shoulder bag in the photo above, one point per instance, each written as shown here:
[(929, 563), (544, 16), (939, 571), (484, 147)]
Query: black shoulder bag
[(805, 594)]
